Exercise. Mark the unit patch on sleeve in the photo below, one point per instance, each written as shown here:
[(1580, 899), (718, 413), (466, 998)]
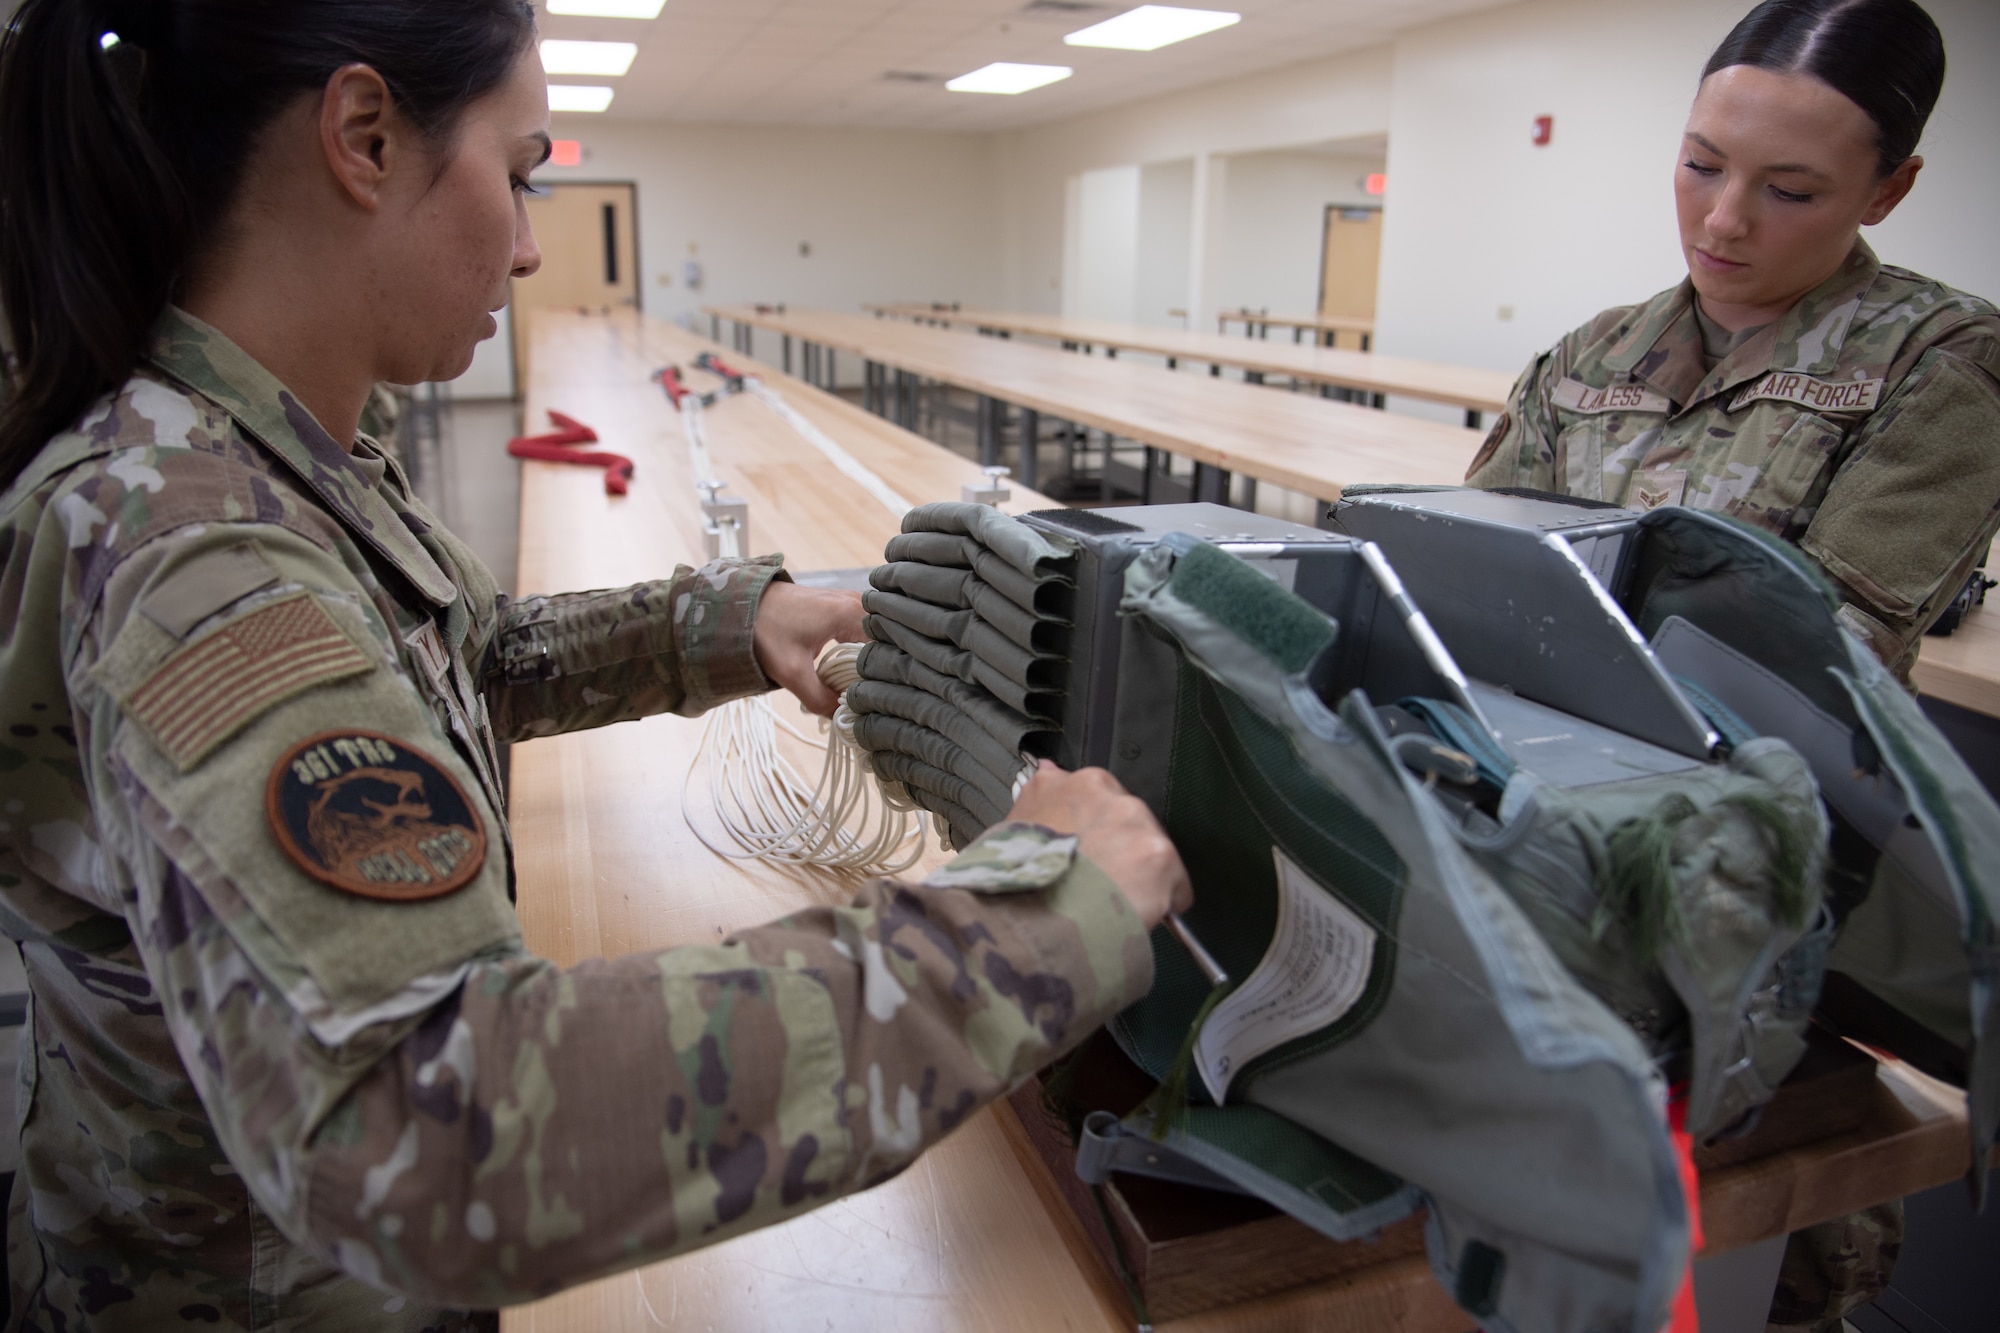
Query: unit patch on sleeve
[(212, 688), (370, 815)]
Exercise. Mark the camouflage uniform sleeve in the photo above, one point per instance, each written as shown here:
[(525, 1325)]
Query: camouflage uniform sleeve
[(580, 660), (1520, 449), (1916, 503), (541, 1127)]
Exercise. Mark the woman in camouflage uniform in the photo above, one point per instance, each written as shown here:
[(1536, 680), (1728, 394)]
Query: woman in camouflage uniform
[(1795, 382), (288, 1063)]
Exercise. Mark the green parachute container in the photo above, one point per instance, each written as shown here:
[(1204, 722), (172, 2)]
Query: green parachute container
[(1485, 876)]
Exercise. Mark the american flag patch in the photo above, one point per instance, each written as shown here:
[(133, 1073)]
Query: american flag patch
[(214, 687)]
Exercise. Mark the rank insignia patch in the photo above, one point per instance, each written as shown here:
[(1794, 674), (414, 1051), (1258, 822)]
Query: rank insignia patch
[(372, 816)]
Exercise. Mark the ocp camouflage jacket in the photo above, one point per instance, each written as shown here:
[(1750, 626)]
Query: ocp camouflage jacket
[(287, 1058), (1864, 426)]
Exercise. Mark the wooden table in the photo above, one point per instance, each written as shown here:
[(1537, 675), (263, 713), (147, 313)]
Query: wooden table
[(1964, 667), (967, 1239), (1258, 324), (1369, 373), (1306, 444)]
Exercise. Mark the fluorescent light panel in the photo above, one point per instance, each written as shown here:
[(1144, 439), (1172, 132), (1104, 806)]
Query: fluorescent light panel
[(1150, 27), (609, 9), (578, 97), (600, 58), (1007, 78)]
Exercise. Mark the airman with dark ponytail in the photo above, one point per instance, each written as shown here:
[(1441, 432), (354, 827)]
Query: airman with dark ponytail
[(288, 1064)]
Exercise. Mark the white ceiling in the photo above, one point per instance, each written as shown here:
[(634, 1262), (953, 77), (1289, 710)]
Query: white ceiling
[(823, 62)]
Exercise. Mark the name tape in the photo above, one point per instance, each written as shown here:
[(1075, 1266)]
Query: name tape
[(1576, 396)]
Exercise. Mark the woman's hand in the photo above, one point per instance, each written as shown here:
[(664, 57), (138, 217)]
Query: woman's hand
[(1114, 829), (793, 624)]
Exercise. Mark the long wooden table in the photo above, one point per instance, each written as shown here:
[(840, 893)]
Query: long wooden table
[(1304, 443), (968, 1239), (1477, 391), (1259, 323)]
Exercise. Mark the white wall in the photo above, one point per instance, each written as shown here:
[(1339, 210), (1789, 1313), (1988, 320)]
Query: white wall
[(1480, 218), (1274, 226), (890, 215), (1166, 235), (1343, 97), (1099, 280), (1946, 227)]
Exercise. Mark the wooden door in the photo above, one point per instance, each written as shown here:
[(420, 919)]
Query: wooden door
[(590, 254), (1350, 261)]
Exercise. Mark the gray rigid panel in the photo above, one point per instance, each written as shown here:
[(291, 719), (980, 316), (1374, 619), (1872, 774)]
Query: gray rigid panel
[(1518, 607), (1873, 803), (1568, 751)]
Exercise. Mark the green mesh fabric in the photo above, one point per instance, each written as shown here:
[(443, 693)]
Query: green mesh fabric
[(1236, 789), (1282, 1150)]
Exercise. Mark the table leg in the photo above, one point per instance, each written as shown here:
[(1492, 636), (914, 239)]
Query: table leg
[(788, 354), (989, 431), (1474, 418), (1028, 467), (1250, 494), (1146, 477), (715, 328), (832, 371)]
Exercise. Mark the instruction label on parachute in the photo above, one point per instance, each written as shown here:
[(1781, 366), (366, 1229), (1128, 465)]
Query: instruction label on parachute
[(1315, 970)]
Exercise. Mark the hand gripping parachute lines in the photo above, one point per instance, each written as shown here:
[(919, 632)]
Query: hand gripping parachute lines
[(1507, 814)]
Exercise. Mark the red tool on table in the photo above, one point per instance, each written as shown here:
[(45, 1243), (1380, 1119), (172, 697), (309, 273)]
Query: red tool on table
[(557, 446)]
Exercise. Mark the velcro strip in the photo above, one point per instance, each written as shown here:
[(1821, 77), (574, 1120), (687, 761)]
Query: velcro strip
[(214, 687)]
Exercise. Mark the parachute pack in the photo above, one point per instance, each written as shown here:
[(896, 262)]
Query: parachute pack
[(1509, 817)]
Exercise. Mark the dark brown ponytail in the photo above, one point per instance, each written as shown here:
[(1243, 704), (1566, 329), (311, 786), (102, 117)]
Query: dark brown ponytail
[(1885, 56), (125, 129)]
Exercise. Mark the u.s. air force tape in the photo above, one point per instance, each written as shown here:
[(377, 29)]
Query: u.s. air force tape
[(370, 815)]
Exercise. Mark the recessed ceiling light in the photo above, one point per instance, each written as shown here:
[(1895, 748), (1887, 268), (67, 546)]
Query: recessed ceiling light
[(578, 97), (1150, 27), (598, 58), (1004, 77), (608, 9)]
